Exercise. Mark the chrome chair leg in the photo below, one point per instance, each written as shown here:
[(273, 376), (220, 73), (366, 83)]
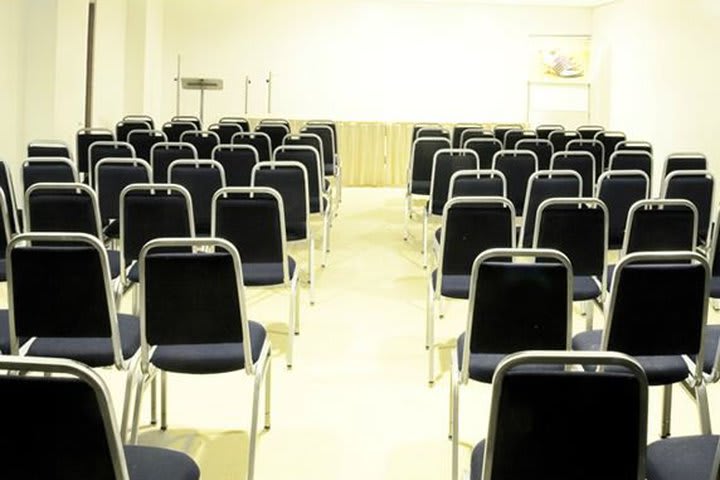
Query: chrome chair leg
[(153, 402), (163, 400), (703, 409), (666, 410)]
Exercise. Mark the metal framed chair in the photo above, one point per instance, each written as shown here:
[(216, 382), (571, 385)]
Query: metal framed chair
[(203, 141), (112, 175), (682, 458), (684, 161), (172, 338), (195, 121), (619, 190), (477, 183), (560, 139), (275, 130), (660, 225), (543, 131), (8, 188), (698, 186), (419, 126), (83, 139), (144, 140), (471, 133), (125, 126), (501, 129), (635, 146), (225, 131), (433, 132), (594, 147), (542, 148), (242, 122), (631, 160), (237, 161), (512, 137), (581, 162), (258, 140), (517, 166), (140, 118), (163, 154), (588, 132), (174, 129), (459, 129), (48, 169), (201, 178), (332, 166), (485, 148), (609, 141), (99, 150), (48, 148)]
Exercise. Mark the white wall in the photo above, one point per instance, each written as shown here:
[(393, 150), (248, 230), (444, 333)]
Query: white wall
[(360, 60), (11, 28)]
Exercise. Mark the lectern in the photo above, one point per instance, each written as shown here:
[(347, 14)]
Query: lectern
[(202, 84)]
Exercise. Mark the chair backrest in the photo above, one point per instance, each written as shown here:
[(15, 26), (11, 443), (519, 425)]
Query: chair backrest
[(485, 148), (333, 128), (472, 225), (635, 146), (202, 178), (631, 160), (100, 150), (48, 148), (310, 158), (86, 137), (225, 131), (124, 127), (174, 129), (201, 312), (512, 137), (62, 207), (545, 184), (242, 122), (48, 169), (112, 175), (290, 179), (543, 149), (560, 139), (446, 163), (68, 422), (433, 132), (550, 442), (459, 129), (698, 186), (684, 161), (477, 183), (419, 126), (421, 160), (588, 132), (660, 226), (309, 135), (658, 305), (258, 140), (273, 121), (594, 147), (253, 220), (501, 129), (8, 188), (619, 190), (518, 166), (144, 140), (713, 250), (163, 154), (152, 210), (581, 162), (578, 227), (237, 161), (76, 301), (609, 141), (5, 224), (471, 133), (275, 131), (543, 131), (203, 141), (518, 306), (195, 121), (140, 118)]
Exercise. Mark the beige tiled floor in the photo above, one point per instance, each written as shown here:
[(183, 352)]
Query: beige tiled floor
[(356, 405)]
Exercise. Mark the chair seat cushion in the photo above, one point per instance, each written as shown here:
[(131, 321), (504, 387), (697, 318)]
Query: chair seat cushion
[(112, 230), (420, 187), (585, 288), (296, 232), (712, 337), (208, 358), (681, 458), (476, 461), (133, 274), (150, 463), (714, 287), (94, 352), (114, 261), (259, 274), (453, 286), (660, 369)]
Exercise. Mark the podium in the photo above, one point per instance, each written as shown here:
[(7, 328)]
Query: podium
[(202, 84)]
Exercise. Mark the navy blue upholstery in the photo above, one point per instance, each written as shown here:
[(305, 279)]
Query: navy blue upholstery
[(290, 183), (98, 152), (486, 148), (314, 140), (711, 342), (541, 189), (420, 187), (83, 141), (685, 162), (143, 141), (112, 178), (4, 332), (584, 165), (237, 163), (475, 133), (561, 138), (517, 168), (588, 132), (144, 463), (543, 149), (682, 458), (544, 131), (630, 160), (275, 131), (202, 181), (36, 172), (619, 194), (699, 190), (585, 288), (594, 148), (472, 186), (422, 162), (446, 164), (314, 176), (453, 286), (427, 132), (239, 121), (174, 130), (163, 156), (512, 137), (258, 274), (260, 142), (609, 143), (225, 131), (500, 130), (123, 129), (661, 230), (62, 211), (457, 134), (41, 150), (203, 142)]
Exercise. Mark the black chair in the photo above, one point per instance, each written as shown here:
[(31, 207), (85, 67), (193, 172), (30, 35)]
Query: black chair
[(48, 169), (609, 141), (99, 150), (237, 161), (5, 235), (471, 133), (144, 140), (594, 147), (459, 129), (517, 166), (660, 225), (543, 149), (310, 127), (7, 186), (657, 313), (112, 175), (684, 161), (174, 130), (74, 433), (471, 225), (619, 190), (635, 146), (48, 148), (83, 139), (588, 132), (253, 220), (513, 307), (581, 162), (694, 457), (477, 183), (501, 129), (543, 131), (201, 178), (557, 438), (272, 121), (561, 138), (225, 131), (276, 131), (163, 154), (578, 227), (543, 185), (195, 121), (433, 132), (419, 126), (631, 160), (512, 137), (124, 127), (204, 142), (698, 186), (321, 138), (242, 122), (173, 340), (140, 118), (258, 140), (485, 148)]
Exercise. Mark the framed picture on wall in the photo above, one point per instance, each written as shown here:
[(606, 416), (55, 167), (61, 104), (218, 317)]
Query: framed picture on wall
[(559, 58)]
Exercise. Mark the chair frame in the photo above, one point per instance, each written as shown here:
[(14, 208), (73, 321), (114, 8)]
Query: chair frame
[(55, 186), (657, 204), (40, 160), (679, 155), (116, 144), (692, 173)]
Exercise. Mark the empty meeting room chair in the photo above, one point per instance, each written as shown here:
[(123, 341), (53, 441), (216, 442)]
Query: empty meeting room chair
[(124, 127), (543, 149), (112, 175), (485, 148), (588, 132), (619, 190), (275, 129), (542, 185), (512, 137), (203, 141), (163, 154), (420, 171), (83, 139), (432, 132), (312, 140), (271, 121), (330, 160), (48, 169), (471, 225), (692, 457), (501, 129), (544, 131), (253, 220), (581, 162), (459, 129), (258, 140), (657, 313), (242, 122), (69, 422), (578, 227), (195, 121), (175, 341), (594, 147), (698, 186), (237, 161), (140, 118), (471, 133), (174, 130), (477, 183), (225, 131), (594, 422), (684, 161), (337, 165), (8, 188), (517, 166), (201, 178), (561, 138), (144, 140), (419, 126), (100, 150), (514, 306), (631, 160), (48, 148), (446, 163), (635, 146), (609, 141)]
